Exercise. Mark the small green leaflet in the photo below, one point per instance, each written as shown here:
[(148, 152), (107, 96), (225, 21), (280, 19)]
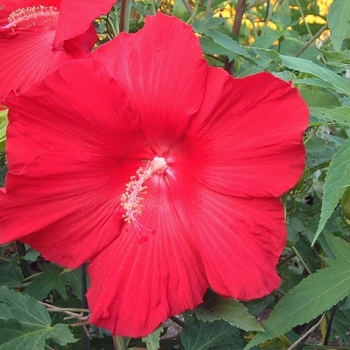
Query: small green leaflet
[(338, 21), (28, 323), (312, 296), (152, 340), (338, 177), (216, 308)]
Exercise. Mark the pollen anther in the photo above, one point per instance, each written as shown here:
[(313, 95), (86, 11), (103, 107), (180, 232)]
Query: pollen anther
[(131, 200), (34, 15)]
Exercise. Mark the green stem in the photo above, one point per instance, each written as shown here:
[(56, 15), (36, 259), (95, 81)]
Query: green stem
[(304, 19), (29, 278), (194, 13), (313, 38), (187, 5), (125, 10), (153, 7), (208, 9), (301, 260), (119, 343)]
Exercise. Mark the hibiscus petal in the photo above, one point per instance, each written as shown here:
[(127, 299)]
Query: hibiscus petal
[(69, 159), (76, 16), (239, 240), (29, 55), (134, 287), (162, 70), (247, 137)]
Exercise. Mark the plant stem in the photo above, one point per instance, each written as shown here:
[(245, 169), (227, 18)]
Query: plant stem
[(125, 9), (208, 8), (309, 42), (236, 28), (119, 343), (304, 18), (237, 24), (187, 5), (306, 334), (301, 260)]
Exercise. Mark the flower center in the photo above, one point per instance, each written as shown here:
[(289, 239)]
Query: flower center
[(34, 16), (131, 200)]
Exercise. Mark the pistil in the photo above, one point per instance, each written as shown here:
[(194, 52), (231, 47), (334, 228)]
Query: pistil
[(131, 200)]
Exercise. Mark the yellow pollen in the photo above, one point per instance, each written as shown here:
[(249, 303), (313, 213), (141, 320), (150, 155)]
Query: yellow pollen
[(131, 200)]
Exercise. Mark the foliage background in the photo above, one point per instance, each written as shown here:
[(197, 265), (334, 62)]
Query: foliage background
[(42, 306)]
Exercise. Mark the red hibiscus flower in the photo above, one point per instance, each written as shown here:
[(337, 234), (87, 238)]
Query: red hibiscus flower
[(162, 171), (38, 35)]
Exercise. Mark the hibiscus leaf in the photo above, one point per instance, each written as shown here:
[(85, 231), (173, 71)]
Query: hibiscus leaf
[(226, 42), (25, 323), (312, 296), (198, 335), (11, 274), (152, 340), (338, 177), (339, 83), (50, 279), (13, 335), (23, 308), (73, 279), (62, 335), (338, 21), (216, 308), (340, 115)]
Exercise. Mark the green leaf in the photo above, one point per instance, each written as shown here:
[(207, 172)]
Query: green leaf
[(198, 335), (312, 296), (61, 334), (50, 279), (28, 322), (216, 308), (316, 98), (340, 115), (338, 21), (338, 177), (339, 83), (227, 42), (3, 126), (13, 335), (73, 279), (152, 340), (267, 38), (11, 274), (23, 308)]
